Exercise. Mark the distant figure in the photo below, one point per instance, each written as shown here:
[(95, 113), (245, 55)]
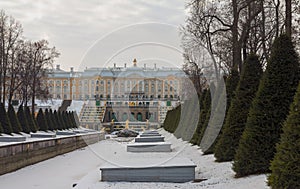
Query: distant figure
[(147, 124), (127, 124)]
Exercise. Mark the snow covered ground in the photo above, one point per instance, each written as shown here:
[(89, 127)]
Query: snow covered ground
[(76, 105), (82, 167)]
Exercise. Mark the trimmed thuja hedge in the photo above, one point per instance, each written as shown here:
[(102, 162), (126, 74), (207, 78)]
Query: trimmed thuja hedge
[(196, 134), (205, 113), (22, 119), (237, 114), (172, 119), (14, 121), (41, 121), (268, 110), (188, 118), (56, 120), (49, 120), (285, 165), (4, 119), (220, 111), (31, 123), (1, 129)]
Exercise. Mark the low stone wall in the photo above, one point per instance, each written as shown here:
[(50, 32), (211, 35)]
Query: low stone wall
[(16, 156)]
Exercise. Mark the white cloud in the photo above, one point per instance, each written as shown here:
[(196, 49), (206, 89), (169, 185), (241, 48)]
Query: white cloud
[(73, 25)]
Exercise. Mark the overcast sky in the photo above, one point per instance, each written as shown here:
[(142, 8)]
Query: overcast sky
[(102, 32)]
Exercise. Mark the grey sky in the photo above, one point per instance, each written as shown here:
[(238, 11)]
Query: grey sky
[(88, 30)]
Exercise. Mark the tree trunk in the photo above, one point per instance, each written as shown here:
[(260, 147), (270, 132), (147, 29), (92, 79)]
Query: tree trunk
[(288, 17), (235, 43)]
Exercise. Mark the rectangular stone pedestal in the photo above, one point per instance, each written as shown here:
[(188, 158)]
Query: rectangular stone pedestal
[(149, 147), (65, 133), (12, 138), (150, 139), (43, 135), (149, 135), (151, 132), (175, 170)]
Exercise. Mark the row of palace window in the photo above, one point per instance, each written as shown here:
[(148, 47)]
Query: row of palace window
[(116, 83), (116, 88), (87, 97), (132, 117)]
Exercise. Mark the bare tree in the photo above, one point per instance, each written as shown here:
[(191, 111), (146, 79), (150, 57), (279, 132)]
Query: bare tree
[(42, 57), (10, 32), (230, 30)]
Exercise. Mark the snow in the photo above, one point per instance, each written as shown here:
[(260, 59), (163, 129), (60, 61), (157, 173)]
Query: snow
[(80, 132), (76, 106), (83, 167), (54, 104)]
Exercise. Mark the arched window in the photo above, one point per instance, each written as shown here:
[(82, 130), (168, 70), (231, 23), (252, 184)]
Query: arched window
[(139, 116)]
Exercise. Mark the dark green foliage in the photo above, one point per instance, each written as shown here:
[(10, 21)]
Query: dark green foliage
[(22, 119), (14, 121), (237, 114), (205, 113), (49, 120), (1, 129), (218, 112), (285, 166), (59, 125), (196, 134), (73, 119), (54, 119), (214, 126), (268, 110), (30, 120), (70, 125), (61, 121), (5, 120), (188, 118), (65, 119), (172, 119), (41, 121)]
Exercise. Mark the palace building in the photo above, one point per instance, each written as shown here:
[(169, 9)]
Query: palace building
[(132, 82), (135, 93)]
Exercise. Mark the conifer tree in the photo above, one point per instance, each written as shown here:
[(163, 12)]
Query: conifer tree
[(238, 111), (73, 119), (70, 114), (59, 124), (30, 120), (217, 113), (199, 125), (205, 113), (61, 120), (65, 119), (1, 129), (268, 110), (215, 120), (41, 121), (14, 121), (285, 165), (22, 119), (49, 120), (4, 119), (53, 119), (187, 118), (172, 119)]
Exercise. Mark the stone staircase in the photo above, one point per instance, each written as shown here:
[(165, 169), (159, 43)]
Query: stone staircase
[(91, 115), (162, 113)]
